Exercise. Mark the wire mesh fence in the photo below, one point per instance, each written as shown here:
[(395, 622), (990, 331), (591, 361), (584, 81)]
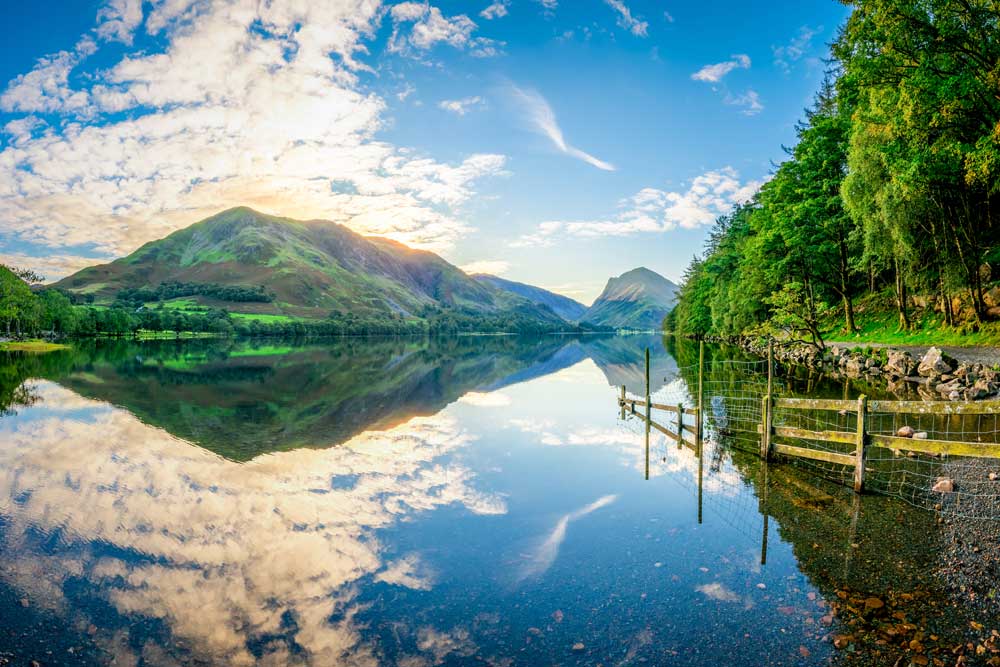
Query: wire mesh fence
[(910, 449)]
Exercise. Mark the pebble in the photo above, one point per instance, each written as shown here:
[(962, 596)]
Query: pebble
[(577, 647)]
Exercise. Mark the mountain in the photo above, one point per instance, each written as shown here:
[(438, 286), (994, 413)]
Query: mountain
[(638, 299), (304, 269), (563, 306)]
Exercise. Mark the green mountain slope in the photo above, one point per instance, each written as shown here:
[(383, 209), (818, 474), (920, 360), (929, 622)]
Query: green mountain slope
[(307, 268), (563, 306), (638, 299)]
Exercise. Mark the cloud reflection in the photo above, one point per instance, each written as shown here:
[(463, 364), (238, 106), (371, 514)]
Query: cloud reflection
[(227, 554)]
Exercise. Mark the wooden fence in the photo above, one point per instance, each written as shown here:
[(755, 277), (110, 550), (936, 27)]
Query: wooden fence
[(857, 441)]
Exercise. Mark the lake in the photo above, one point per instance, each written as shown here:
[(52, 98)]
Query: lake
[(473, 500)]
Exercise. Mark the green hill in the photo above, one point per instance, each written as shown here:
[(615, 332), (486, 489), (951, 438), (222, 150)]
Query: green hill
[(266, 266), (638, 299)]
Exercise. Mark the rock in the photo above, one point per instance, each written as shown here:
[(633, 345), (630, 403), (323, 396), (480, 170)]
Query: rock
[(24, 602), (948, 387), (873, 603), (955, 395), (578, 647), (905, 432), (993, 476), (943, 485), (841, 641), (920, 435), (557, 616), (855, 366), (936, 362)]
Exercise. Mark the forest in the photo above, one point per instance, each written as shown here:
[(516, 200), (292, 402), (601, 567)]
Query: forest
[(887, 200), (52, 313)]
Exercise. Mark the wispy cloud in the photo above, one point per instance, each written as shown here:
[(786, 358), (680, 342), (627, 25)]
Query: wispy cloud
[(462, 106), (748, 101), (801, 44), (715, 73), (495, 267), (495, 11), (543, 119), (625, 19), (651, 210)]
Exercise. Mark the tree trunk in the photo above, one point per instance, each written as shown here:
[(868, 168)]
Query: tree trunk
[(845, 270), (904, 317)]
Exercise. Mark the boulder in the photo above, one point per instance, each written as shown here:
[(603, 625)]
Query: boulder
[(900, 364), (936, 362), (905, 432), (855, 366)]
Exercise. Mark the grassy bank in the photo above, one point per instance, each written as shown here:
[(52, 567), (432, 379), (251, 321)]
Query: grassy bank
[(33, 346), (878, 322)]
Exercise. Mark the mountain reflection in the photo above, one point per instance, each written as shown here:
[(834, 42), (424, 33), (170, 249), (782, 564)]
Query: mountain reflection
[(243, 400)]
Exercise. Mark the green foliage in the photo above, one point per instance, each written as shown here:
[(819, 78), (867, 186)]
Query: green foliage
[(892, 185)]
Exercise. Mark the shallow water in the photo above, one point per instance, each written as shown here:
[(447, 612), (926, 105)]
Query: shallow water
[(465, 501)]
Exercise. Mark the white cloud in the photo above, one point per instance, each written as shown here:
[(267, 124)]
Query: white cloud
[(240, 103), (749, 101), (709, 195), (462, 106), (792, 52), (494, 267), (118, 19), (49, 267), (626, 20), (668, 17), (549, 5), (46, 89), (496, 10), (429, 27), (715, 73), (543, 120)]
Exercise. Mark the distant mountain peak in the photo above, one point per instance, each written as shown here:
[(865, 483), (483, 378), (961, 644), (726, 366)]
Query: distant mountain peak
[(639, 299)]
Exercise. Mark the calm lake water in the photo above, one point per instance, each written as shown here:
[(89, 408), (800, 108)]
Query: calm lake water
[(466, 501)]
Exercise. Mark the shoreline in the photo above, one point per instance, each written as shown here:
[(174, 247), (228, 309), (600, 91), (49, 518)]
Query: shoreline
[(931, 372)]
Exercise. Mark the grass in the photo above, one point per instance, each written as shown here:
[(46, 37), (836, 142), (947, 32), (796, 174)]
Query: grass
[(262, 317), (33, 346), (878, 322)]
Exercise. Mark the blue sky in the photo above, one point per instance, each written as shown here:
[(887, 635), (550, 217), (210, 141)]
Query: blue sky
[(555, 142)]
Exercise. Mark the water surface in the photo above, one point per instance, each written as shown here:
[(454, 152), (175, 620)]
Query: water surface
[(476, 500)]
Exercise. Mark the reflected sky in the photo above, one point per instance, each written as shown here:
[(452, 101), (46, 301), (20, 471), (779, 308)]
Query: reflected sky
[(499, 516)]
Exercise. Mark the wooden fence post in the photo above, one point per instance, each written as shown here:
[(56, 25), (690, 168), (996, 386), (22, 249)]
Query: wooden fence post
[(680, 425), (859, 452), (765, 434), (622, 401)]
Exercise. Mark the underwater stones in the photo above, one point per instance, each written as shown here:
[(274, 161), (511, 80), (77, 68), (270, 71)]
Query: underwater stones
[(943, 485)]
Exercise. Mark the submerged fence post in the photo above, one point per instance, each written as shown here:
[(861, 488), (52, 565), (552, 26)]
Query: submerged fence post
[(767, 411), (859, 452), (649, 416), (701, 396)]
